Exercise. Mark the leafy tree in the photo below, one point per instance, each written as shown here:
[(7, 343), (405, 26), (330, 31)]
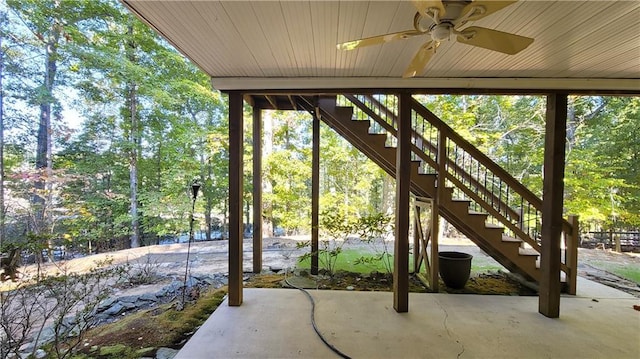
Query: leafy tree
[(602, 174), (349, 180), (170, 124), (52, 26)]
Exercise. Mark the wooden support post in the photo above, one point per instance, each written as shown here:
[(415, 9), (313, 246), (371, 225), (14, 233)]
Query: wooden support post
[(435, 260), (572, 254), (403, 183), (552, 205), (235, 197), (435, 209), (417, 244), (257, 190), (315, 193)]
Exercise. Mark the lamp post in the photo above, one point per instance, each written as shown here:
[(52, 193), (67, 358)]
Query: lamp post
[(195, 188), (614, 236)]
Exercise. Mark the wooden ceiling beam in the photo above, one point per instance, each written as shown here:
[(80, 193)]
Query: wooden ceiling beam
[(294, 105), (273, 101)]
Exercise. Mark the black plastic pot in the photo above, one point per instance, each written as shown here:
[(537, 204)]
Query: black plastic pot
[(455, 268)]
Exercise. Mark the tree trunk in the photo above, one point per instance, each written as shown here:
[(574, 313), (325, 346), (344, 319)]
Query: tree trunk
[(388, 195), (43, 151), (267, 188), (44, 162), (206, 181), (2, 209), (133, 169), (134, 140), (225, 227)]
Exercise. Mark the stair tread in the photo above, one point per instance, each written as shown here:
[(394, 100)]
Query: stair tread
[(459, 199), (491, 225), (474, 213), (511, 239), (528, 252)]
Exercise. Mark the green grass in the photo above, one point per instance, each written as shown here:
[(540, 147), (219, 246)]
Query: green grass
[(347, 261), (627, 271), (480, 268)]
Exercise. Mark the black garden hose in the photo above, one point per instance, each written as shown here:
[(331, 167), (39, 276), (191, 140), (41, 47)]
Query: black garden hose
[(313, 319)]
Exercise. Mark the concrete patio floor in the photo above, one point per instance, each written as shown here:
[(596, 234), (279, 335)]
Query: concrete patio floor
[(600, 322)]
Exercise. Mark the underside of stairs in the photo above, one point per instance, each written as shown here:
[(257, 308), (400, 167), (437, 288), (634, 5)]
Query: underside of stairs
[(503, 245)]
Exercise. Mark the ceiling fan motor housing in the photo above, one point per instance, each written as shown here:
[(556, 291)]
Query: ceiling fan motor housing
[(441, 32)]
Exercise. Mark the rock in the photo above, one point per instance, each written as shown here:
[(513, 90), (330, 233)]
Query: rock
[(115, 309), (46, 336), (166, 353), (68, 323), (173, 287), (192, 282), (40, 354), (350, 287), (129, 299), (149, 297), (208, 280), (105, 304), (129, 306)]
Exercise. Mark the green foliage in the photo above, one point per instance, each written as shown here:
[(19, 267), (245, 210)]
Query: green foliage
[(338, 229), (602, 175), (351, 260), (289, 172), (349, 180), (376, 230)]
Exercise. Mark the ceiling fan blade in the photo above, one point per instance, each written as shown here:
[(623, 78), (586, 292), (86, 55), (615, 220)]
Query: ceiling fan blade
[(494, 40), (420, 60), (423, 6), (376, 40), (478, 9)]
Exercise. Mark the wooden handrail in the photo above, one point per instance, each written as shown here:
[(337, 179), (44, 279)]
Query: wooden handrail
[(477, 154), (420, 152), (519, 188), (492, 211)]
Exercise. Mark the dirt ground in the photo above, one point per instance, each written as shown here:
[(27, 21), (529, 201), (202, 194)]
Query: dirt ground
[(281, 253)]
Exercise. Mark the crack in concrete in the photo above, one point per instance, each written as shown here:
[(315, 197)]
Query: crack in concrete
[(446, 327)]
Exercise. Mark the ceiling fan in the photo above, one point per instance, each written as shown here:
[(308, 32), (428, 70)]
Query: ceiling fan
[(439, 20)]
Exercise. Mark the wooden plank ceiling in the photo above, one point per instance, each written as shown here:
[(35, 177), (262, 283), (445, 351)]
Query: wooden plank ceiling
[(292, 44)]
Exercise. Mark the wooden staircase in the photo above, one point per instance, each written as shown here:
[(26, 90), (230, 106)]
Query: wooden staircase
[(485, 215)]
